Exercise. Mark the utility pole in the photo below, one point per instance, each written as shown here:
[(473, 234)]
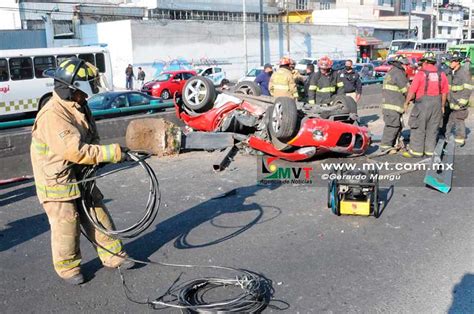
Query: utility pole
[(244, 16), (409, 20), (288, 26), (262, 61)]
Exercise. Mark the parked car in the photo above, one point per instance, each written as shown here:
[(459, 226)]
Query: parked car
[(215, 74), (251, 74), (168, 83), (366, 72), (338, 65), (383, 68), (125, 100), (303, 63), (376, 63)]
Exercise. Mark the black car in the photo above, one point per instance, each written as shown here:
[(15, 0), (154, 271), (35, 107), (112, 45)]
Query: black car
[(124, 101)]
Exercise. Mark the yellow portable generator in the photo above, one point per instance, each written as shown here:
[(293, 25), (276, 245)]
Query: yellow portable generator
[(354, 193)]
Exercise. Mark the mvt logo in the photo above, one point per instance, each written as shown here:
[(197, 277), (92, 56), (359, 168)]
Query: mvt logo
[(274, 170)]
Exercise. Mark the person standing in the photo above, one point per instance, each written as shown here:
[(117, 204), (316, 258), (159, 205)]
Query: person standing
[(394, 90), (140, 78), (324, 84), (460, 89), (282, 83), (129, 76), (430, 87), (263, 79), (64, 137), (352, 81)]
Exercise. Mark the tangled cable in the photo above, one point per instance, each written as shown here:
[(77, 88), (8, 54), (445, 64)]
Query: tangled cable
[(256, 290)]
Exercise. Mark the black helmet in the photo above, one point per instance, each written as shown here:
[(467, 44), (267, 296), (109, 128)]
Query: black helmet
[(398, 58), (429, 57), (456, 56), (77, 74)]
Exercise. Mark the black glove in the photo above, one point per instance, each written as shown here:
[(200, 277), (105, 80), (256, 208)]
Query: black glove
[(125, 156)]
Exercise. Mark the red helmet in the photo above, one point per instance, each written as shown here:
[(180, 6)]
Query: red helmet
[(325, 63), (285, 61)]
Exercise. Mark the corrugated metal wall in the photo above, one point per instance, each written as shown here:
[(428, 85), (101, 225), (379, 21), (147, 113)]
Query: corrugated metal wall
[(21, 39)]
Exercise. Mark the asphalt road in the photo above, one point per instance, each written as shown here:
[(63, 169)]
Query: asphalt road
[(416, 258)]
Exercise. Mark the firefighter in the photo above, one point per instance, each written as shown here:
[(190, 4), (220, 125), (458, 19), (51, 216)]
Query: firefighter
[(324, 84), (64, 134), (430, 87), (460, 89), (282, 82), (394, 90)]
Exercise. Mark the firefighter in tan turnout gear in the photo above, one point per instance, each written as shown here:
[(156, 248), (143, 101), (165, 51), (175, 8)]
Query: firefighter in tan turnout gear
[(394, 90), (64, 133), (460, 89), (282, 83)]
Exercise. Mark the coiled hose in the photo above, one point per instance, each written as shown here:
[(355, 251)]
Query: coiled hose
[(256, 290)]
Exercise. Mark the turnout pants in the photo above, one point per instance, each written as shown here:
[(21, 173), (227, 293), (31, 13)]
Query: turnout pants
[(456, 120), (65, 222), (392, 128), (425, 120)]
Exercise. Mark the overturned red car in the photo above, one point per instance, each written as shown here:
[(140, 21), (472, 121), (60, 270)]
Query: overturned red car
[(279, 127)]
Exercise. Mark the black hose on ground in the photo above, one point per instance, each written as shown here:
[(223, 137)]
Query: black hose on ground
[(256, 290)]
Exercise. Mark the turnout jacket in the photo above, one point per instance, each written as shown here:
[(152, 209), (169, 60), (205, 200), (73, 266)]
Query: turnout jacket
[(65, 133), (322, 87), (394, 89), (460, 88), (282, 84)]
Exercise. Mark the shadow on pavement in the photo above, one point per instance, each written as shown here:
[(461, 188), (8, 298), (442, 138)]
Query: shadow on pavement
[(17, 195), (463, 296), (179, 227), (385, 195), (23, 230)]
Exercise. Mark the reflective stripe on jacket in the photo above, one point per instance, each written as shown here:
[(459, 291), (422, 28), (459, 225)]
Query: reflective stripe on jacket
[(394, 89), (460, 88), (323, 87), (65, 133), (282, 84)]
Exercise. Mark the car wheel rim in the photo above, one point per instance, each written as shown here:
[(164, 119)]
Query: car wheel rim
[(165, 95), (195, 92), (245, 89), (276, 117)]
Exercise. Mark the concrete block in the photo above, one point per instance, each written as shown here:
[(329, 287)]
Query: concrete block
[(157, 136)]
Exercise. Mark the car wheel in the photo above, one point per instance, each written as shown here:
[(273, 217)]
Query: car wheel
[(347, 104), (248, 88), (165, 94), (199, 94), (43, 101), (283, 119)]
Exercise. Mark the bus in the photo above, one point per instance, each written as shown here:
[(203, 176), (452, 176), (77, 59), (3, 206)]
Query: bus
[(415, 44), (23, 87)]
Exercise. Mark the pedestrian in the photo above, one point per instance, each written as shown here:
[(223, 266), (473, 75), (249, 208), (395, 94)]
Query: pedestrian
[(282, 83), (460, 89), (352, 81), (140, 77), (324, 84), (129, 76), (394, 90), (430, 88), (263, 79), (64, 134)]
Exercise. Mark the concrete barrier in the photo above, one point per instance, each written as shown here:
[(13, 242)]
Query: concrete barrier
[(15, 144)]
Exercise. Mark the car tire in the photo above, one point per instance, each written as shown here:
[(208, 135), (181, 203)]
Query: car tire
[(283, 119), (199, 94), (165, 94), (349, 105), (44, 101), (248, 88)]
